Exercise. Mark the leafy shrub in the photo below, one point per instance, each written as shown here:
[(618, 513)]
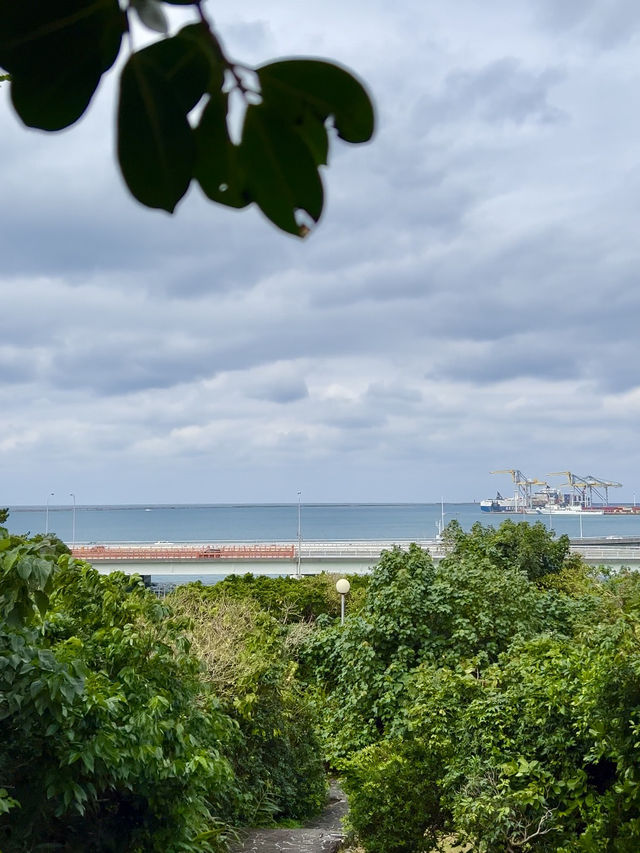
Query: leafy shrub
[(393, 802), (289, 599), (529, 548), (110, 740), (276, 755), (464, 611), (517, 724)]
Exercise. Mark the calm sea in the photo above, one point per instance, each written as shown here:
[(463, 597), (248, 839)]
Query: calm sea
[(279, 522)]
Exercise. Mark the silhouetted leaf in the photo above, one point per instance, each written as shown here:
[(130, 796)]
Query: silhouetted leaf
[(56, 53), (217, 161), (328, 90), (311, 128), (156, 146), (184, 65), (281, 174)]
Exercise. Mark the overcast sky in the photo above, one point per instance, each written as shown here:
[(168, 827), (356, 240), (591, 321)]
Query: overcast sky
[(469, 302)]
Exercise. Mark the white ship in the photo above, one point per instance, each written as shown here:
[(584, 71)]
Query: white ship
[(554, 501), (559, 509)]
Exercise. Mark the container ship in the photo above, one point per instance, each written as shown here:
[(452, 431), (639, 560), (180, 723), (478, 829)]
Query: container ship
[(587, 495)]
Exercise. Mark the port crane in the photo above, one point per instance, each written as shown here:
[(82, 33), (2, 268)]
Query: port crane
[(523, 486), (585, 487)]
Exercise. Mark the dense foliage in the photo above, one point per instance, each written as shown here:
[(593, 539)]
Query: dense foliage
[(174, 104), (289, 599), (493, 699), (276, 753), (116, 737)]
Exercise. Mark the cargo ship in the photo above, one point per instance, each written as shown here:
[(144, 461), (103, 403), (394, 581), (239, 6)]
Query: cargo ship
[(553, 501), (500, 504)]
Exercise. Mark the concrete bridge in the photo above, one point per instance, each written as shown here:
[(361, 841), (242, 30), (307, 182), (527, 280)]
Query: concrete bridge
[(284, 558)]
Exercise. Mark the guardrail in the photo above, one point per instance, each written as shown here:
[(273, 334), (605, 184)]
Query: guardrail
[(309, 552), (104, 553)]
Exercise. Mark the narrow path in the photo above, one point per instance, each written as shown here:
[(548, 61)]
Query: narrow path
[(323, 835)]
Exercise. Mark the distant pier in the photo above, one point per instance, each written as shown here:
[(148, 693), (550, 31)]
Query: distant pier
[(312, 557)]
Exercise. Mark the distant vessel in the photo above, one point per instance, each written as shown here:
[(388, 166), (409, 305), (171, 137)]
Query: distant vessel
[(560, 509), (552, 501), (500, 504)]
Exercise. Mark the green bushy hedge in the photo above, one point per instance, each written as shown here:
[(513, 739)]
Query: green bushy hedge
[(115, 738)]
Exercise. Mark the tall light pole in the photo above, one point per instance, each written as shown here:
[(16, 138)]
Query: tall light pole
[(299, 533), (46, 513), (73, 521)]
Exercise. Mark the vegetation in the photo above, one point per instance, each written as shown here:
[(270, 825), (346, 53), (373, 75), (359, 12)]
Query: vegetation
[(115, 737), (174, 104), (493, 698), (487, 703)]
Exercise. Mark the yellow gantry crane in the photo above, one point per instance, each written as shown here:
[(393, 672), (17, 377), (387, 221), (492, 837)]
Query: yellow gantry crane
[(523, 486), (584, 488)]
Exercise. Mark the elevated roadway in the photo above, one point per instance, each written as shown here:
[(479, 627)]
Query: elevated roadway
[(283, 558)]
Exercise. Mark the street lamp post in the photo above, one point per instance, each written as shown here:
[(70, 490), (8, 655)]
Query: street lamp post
[(299, 534), (73, 522), (343, 586), (46, 513)]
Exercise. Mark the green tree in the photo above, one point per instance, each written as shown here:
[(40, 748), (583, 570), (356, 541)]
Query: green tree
[(516, 726), (174, 104), (530, 548), (110, 739)]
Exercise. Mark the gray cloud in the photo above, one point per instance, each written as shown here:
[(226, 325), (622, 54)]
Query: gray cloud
[(607, 24), (477, 264), (502, 91)]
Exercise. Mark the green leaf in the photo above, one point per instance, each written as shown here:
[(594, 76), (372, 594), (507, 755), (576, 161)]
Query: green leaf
[(185, 64), (281, 174), (293, 85), (156, 146), (210, 48), (217, 161), (314, 133), (56, 53), (42, 601)]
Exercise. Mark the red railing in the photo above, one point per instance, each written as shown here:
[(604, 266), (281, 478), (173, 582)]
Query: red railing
[(97, 553)]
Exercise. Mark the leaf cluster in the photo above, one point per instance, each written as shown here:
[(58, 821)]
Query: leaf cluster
[(110, 739), (174, 105)]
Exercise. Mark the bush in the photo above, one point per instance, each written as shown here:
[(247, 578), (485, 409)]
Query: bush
[(516, 724), (276, 755), (288, 599), (110, 739)]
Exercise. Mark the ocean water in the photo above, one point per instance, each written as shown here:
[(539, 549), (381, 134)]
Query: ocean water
[(279, 522)]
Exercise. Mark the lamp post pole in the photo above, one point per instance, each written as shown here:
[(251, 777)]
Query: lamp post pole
[(343, 586), (299, 533), (46, 513), (73, 522)]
